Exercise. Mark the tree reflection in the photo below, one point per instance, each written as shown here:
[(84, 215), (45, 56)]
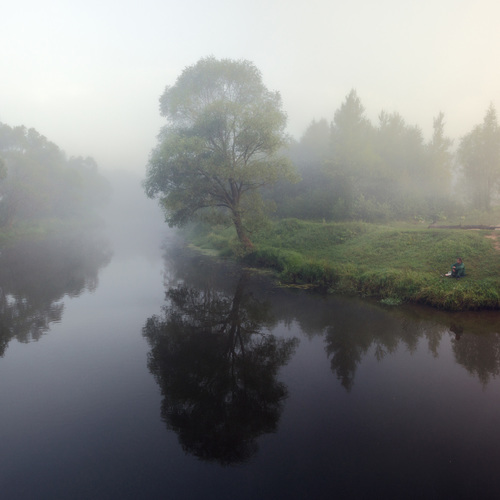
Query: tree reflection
[(480, 354), (217, 369), (356, 330), (477, 347), (36, 274)]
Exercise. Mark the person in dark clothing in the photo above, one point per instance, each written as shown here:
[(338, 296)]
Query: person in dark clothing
[(457, 269)]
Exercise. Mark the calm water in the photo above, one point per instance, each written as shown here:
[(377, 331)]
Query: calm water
[(137, 371)]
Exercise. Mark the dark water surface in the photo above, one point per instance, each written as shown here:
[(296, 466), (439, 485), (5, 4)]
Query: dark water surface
[(155, 373)]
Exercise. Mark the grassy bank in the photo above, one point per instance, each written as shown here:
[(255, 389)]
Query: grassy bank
[(396, 263)]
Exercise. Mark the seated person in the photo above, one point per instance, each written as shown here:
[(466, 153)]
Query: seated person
[(457, 269)]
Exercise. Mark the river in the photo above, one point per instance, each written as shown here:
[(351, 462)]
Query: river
[(133, 367)]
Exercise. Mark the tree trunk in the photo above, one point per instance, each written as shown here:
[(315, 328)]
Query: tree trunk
[(240, 231)]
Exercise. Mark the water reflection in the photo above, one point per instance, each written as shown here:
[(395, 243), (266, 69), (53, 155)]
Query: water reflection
[(217, 364), (36, 274), (359, 329), (354, 329), (474, 337), (479, 354)]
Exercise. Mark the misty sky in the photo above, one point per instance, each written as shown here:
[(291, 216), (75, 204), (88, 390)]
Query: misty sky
[(88, 74)]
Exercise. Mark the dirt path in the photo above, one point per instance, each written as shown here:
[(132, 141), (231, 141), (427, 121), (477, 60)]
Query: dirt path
[(496, 240)]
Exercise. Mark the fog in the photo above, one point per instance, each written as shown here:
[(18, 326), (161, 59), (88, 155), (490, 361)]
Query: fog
[(88, 75), (134, 224)]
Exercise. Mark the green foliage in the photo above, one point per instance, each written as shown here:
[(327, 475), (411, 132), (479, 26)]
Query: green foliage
[(391, 301), (37, 181), (371, 210), (312, 237), (354, 170), (221, 144), (479, 155), (440, 162), (393, 263)]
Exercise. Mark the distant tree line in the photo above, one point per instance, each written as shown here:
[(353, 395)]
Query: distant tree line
[(223, 157), (352, 169), (38, 181)]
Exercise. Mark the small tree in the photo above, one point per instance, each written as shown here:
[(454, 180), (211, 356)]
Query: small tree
[(437, 171), (440, 157), (479, 155), (221, 144)]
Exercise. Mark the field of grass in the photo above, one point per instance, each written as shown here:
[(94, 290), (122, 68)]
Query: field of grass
[(395, 263)]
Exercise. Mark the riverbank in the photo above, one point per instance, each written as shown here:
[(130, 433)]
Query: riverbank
[(46, 227), (394, 263)]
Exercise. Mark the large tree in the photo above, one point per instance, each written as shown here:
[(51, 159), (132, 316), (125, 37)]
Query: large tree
[(221, 144)]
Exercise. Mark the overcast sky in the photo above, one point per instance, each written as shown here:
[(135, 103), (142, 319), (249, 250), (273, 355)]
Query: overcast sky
[(88, 74)]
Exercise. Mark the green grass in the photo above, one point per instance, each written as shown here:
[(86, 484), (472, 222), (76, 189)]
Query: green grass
[(395, 263)]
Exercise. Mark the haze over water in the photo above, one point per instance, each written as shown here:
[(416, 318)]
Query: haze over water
[(139, 369)]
